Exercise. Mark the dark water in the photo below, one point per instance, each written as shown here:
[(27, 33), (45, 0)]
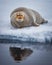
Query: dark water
[(25, 54)]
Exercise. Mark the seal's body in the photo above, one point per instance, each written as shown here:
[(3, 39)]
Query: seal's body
[(22, 17)]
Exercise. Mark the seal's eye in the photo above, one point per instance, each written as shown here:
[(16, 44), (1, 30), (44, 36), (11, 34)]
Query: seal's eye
[(19, 16)]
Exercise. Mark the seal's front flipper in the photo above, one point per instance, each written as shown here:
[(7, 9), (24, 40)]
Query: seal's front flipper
[(35, 24)]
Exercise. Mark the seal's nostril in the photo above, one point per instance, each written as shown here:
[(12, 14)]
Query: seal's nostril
[(19, 17)]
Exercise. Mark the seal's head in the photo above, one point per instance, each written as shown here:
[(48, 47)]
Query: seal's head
[(19, 16), (19, 19)]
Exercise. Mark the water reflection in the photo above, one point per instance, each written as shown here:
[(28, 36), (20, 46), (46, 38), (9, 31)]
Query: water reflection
[(19, 54)]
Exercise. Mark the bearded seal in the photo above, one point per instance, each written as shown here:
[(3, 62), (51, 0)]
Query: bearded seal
[(24, 17)]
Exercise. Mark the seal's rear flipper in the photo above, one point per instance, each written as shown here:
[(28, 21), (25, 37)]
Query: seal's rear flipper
[(44, 21)]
